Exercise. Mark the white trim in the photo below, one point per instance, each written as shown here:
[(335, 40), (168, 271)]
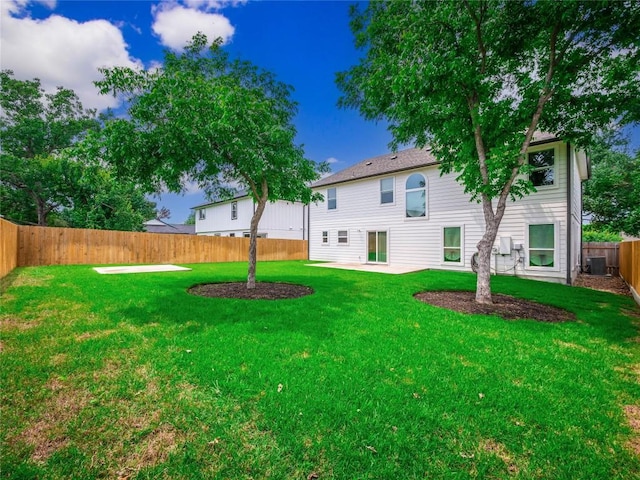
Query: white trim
[(335, 199), (426, 196), (442, 247), (343, 236), (393, 191), (556, 247), (366, 246), (322, 238), (556, 157)]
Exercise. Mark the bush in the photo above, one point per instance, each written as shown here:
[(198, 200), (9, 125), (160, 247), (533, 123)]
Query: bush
[(590, 234)]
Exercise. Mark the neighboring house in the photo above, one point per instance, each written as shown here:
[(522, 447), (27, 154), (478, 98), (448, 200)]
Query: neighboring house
[(232, 218), (158, 226), (397, 209)]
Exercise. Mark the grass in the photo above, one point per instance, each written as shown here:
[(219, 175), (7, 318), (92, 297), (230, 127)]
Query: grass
[(128, 376)]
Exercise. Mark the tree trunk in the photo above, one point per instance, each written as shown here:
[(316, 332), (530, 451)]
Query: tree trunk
[(43, 212), (253, 241), (483, 281)]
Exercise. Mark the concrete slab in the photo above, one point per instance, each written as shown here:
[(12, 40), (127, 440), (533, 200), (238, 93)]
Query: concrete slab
[(393, 270), (139, 269)]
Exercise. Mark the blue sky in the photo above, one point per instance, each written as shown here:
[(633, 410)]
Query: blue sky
[(303, 42)]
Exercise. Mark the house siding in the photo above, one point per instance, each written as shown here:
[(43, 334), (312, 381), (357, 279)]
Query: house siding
[(418, 242), (285, 220)]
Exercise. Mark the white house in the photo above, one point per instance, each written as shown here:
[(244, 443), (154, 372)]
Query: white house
[(396, 209), (232, 218)]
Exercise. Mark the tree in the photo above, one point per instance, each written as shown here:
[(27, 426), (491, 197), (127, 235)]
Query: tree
[(101, 201), (35, 127), (612, 194), (191, 219), (475, 80), (208, 119), (44, 177)]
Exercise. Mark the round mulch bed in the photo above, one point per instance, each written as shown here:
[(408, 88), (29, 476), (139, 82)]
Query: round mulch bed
[(504, 306), (263, 290)]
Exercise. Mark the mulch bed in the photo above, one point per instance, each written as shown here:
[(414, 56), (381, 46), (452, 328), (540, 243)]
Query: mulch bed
[(263, 290), (504, 306), (605, 283)]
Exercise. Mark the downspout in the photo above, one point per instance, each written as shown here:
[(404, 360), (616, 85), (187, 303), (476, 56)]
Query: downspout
[(569, 215), (308, 231)]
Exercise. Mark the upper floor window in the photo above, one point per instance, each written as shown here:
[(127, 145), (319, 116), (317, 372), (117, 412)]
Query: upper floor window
[(416, 188), (543, 168), (331, 199), (234, 210), (386, 190), (202, 214)]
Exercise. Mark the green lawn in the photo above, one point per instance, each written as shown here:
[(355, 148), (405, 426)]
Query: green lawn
[(128, 376)]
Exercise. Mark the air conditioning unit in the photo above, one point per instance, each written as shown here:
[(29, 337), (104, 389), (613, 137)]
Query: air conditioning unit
[(597, 265)]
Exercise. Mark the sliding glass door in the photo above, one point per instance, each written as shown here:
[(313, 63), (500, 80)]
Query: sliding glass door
[(377, 247)]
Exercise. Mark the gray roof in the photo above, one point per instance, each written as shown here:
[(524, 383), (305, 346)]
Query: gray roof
[(381, 165), (158, 226), (399, 161)]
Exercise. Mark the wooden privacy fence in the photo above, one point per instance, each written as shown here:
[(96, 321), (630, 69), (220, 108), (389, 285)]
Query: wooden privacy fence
[(74, 246), (609, 250), (630, 265), (8, 247)]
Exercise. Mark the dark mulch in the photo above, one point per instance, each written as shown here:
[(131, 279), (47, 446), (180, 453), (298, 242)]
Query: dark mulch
[(605, 283), (504, 306), (263, 290)]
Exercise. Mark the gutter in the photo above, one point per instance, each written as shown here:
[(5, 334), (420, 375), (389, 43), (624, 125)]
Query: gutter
[(569, 215)]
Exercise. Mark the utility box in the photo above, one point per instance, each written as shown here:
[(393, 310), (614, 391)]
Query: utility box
[(597, 265), (505, 246)]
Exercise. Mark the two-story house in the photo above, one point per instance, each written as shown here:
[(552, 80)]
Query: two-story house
[(232, 218), (397, 209)]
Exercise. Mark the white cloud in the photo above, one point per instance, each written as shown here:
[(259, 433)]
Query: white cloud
[(332, 160), (61, 51), (176, 25), (213, 4)]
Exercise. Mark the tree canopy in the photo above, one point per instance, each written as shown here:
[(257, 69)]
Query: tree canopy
[(476, 80), (41, 181), (612, 194), (205, 118)]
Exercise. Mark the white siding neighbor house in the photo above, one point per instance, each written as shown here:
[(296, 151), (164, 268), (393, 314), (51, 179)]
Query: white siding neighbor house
[(397, 209), (232, 218)]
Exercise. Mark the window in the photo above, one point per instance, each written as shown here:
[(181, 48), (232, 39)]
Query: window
[(452, 244), (202, 214), (416, 187), (543, 170), (343, 237), (232, 234), (259, 235), (386, 190), (377, 247), (325, 237), (542, 245), (331, 199), (234, 210)]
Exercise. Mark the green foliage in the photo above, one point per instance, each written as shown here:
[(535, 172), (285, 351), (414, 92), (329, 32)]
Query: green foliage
[(41, 181), (612, 194), (129, 375), (592, 234), (207, 119), (476, 80), (191, 219)]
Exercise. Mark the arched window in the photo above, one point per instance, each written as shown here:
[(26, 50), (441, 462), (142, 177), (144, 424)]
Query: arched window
[(416, 189)]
